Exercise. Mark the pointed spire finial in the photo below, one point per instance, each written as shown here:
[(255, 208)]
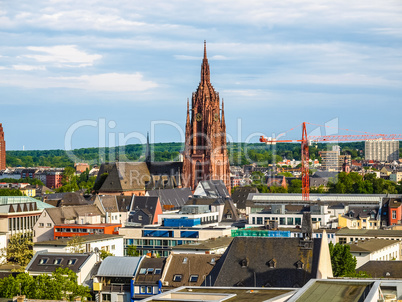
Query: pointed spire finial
[(205, 49)]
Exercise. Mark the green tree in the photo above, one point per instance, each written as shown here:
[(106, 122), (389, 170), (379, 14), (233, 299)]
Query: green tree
[(76, 245), (132, 251), (295, 186), (19, 250), (10, 192), (343, 262), (103, 254)]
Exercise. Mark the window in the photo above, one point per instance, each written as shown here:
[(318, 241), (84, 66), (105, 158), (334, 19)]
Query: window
[(41, 225), (177, 278), (142, 290), (342, 240), (71, 261), (57, 261), (393, 214), (193, 278), (43, 261), (290, 221), (149, 289), (282, 221), (48, 225), (106, 297), (297, 221), (157, 271), (113, 247), (185, 260), (150, 271), (143, 271), (139, 217)]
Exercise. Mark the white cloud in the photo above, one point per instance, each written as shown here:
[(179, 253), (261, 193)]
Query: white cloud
[(63, 56), (108, 82), (28, 67), (116, 82)]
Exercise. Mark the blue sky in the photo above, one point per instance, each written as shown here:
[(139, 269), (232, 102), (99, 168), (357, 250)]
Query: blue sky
[(131, 65)]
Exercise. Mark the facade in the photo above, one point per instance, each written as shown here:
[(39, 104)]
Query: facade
[(2, 149), (72, 230), (79, 215), (18, 214), (379, 150), (53, 179), (147, 280), (333, 161), (396, 177), (205, 153), (374, 249), (156, 239)]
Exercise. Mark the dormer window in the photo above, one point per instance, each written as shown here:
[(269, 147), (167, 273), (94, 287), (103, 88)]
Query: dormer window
[(143, 271), (244, 263), (57, 261), (177, 278), (271, 263), (43, 260), (299, 265), (185, 260), (157, 271), (71, 261), (150, 271), (193, 278)]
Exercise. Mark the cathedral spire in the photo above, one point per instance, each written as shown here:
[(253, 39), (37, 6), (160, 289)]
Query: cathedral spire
[(188, 113), (148, 151), (205, 67)]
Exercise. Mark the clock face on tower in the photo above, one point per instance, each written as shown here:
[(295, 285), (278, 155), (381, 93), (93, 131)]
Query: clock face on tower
[(198, 117), (216, 117)]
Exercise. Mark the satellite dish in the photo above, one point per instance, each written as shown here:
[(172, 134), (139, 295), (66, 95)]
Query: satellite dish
[(96, 250)]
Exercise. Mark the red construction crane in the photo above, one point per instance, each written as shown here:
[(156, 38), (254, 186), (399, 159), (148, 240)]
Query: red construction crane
[(306, 142)]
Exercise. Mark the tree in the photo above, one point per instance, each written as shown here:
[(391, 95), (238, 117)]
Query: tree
[(10, 192), (61, 284), (132, 251), (19, 250), (76, 244), (295, 186), (343, 262), (103, 254)]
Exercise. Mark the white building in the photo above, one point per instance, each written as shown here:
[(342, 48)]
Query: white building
[(380, 150), (90, 243), (374, 249)]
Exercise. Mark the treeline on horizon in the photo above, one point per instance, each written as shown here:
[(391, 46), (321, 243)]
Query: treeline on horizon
[(239, 154)]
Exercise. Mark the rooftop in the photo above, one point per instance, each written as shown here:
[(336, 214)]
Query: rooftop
[(221, 294), (85, 239), (322, 291), (207, 244), (371, 245)]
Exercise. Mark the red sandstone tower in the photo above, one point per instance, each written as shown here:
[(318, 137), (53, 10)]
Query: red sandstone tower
[(205, 153), (2, 149)]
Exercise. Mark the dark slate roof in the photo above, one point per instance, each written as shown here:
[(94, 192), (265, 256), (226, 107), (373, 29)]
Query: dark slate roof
[(214, 188), (34, 265), (383, 269), (230, 213), (172, 198), (65, 199), (240, 194), (165, 168), (150, 277), (318, 181), (124, 203), (324, 174), (145, 203), (124, 176), (186, 265), (206, 245), (246, 263)]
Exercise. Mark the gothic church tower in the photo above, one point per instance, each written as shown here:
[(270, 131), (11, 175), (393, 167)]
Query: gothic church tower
[(205, 153)]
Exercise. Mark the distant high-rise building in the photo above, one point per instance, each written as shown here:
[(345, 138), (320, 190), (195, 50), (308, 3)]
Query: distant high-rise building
[(205, 153), (2, 149), (381, 150), (332, 160)]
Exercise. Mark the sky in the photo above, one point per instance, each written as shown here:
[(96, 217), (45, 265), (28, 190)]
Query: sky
[(76, 74)]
